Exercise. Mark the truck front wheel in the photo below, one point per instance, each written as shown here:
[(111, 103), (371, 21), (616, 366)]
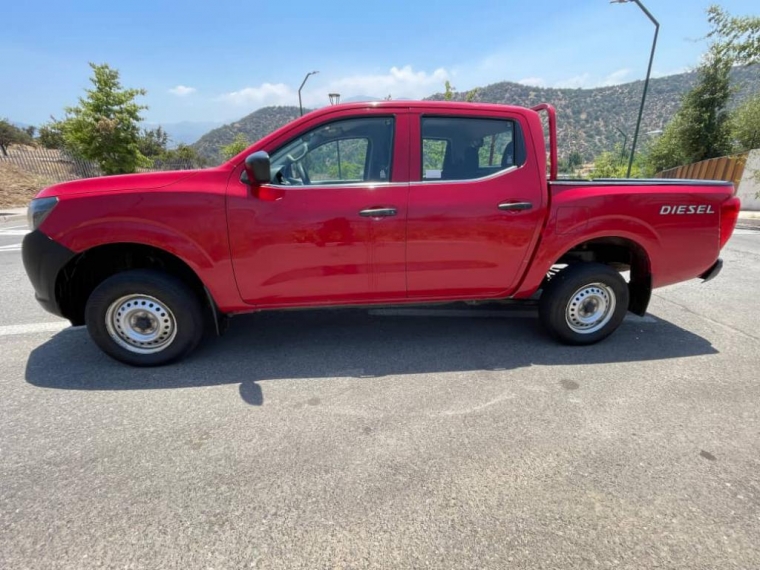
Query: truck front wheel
[(144, 317), (584, 303)]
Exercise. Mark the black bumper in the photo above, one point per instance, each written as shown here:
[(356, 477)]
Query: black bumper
[(713, 271), (43, 261)]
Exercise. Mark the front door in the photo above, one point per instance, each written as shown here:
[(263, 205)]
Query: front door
[(330, 228), (475, 208)]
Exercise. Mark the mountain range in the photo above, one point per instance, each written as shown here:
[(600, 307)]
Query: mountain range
[(588, 119)]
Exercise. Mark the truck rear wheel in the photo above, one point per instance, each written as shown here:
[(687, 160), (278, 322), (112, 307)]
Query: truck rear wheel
[(144, 318), (584, 303)]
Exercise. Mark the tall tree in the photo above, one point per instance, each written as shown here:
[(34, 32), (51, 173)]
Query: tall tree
[(701, 129), (739, 36), (706, 131), (104, 127), (448, 93), (746, 125)]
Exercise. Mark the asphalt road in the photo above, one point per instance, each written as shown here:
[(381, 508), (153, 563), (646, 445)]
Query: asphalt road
[(454, 438)]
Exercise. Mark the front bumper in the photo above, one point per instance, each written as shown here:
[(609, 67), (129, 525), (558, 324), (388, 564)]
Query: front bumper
[(713, 271), (43, 260)]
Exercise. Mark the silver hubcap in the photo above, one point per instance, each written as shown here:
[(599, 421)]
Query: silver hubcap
[(141, 324), (590, 308)]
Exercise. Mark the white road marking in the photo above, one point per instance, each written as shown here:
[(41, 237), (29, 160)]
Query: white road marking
[(14, 231), (743, 232), (13, 330), (12, 247)]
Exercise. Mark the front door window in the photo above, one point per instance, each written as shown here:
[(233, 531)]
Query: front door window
[(348, 151)]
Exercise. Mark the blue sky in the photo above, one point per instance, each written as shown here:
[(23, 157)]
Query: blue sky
[(218, 61)]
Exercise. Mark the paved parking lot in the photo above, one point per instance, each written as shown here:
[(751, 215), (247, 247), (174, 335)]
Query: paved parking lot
[(441, 438)]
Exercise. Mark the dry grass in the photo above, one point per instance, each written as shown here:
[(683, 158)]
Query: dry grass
[(17, 187)]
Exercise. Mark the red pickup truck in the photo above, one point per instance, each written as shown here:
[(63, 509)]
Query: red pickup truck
[(368, 204)]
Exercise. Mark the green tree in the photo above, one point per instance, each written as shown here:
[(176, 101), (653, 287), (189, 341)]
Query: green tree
[(153, 143), (104, 127), (184, 152), (667, 151), (11, 134), (706, 130), (745, 125), (575, 160), (448, 93), (49, 135), (701, 129), (738, 36), (613, 164), (238, 145)]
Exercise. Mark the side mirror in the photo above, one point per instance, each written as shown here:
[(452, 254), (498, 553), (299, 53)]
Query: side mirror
[(257, 167)]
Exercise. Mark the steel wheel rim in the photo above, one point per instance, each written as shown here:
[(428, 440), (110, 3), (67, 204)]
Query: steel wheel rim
[(141, 324), (590, 308)]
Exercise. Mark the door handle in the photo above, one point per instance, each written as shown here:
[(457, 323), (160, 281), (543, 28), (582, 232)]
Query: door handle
[(515, 206), (377, 212)]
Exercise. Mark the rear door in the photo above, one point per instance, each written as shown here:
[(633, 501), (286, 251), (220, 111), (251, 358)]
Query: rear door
[(475, 204)]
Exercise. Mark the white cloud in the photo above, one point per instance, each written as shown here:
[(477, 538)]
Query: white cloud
[(574, 82), (615, 78), (261, 96), (182, 90), (533, 81), (398, 82)]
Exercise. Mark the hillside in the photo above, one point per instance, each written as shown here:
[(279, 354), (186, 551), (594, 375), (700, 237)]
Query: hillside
[(587, 118), (254, 126)]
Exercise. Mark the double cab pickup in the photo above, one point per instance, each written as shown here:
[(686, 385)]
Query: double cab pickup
[(360, 204)]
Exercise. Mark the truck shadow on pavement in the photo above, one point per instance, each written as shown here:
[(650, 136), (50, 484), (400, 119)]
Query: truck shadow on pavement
[(355, 343)]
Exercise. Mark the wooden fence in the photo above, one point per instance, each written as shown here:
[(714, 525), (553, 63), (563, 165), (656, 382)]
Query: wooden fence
[(728, 168), (59, 166)]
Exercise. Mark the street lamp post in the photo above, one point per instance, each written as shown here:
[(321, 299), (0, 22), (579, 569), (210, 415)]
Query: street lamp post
[(649, 72), (300, 105), (625, 138)]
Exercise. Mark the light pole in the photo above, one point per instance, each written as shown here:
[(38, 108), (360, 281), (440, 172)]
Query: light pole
[(649, 72), (625, 138), (300, 105)]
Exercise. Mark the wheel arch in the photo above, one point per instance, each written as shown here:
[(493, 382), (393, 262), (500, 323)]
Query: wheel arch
[(621, 252), (85, 271)]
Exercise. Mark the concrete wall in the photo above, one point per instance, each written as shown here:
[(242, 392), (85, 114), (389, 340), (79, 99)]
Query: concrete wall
[(750, 183)]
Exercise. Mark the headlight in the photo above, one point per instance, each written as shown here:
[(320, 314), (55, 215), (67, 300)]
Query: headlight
[(39, 209)]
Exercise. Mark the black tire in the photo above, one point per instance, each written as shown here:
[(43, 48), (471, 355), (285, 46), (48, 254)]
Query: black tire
[(573, 295), (175, 304)]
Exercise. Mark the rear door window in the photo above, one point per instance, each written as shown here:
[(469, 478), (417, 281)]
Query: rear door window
[(467, 148)]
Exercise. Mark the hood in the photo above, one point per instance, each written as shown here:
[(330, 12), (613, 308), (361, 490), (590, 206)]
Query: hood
[(124, 182)]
